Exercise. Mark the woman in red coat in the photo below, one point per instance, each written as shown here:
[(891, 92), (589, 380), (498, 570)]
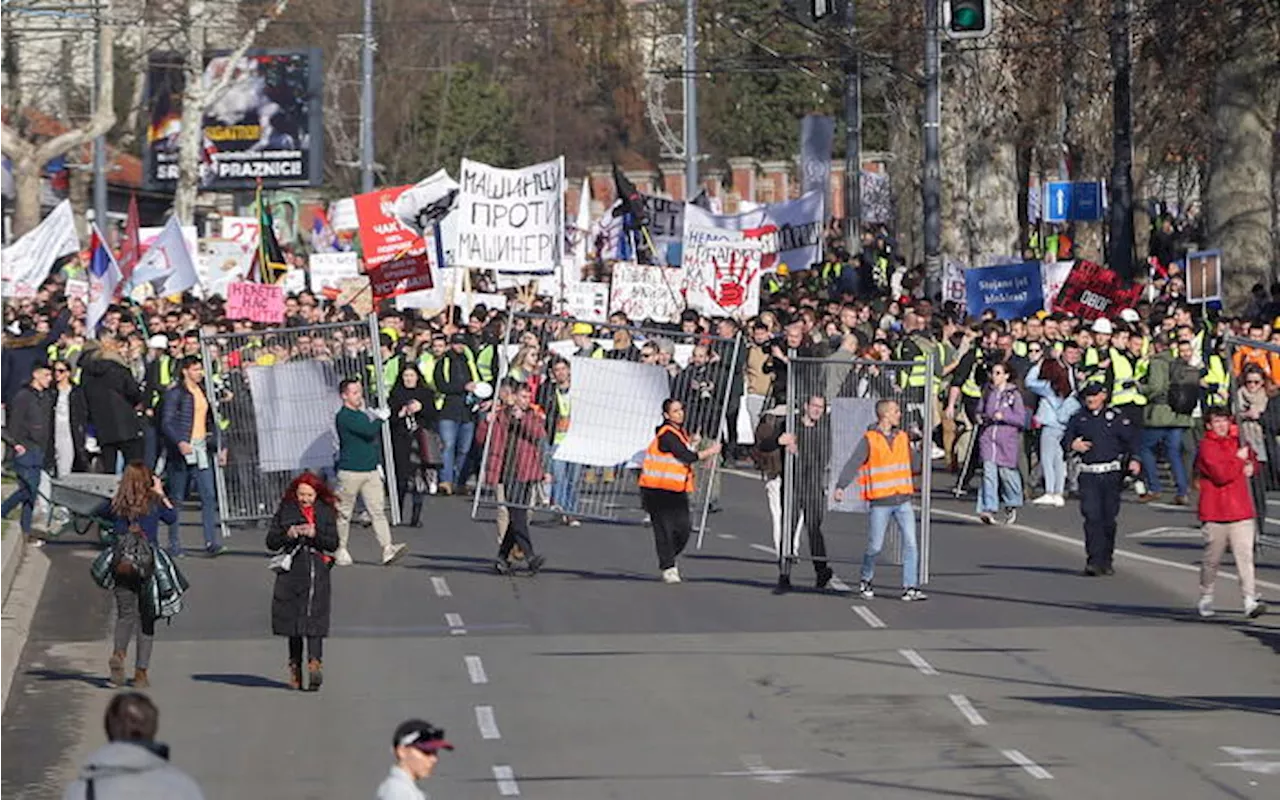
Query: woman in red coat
[(515, 464), (1225, 467)]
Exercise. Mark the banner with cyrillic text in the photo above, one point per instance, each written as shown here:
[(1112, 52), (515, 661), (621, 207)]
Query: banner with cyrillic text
[(511, 219)]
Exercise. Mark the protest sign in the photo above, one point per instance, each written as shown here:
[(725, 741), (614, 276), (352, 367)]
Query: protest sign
[(953, 282), (27, 262), (427, 202), (1204, 276), (1092, 290), (383, 237), (329, 270), (342, 215), (409, 274), (1011, 290), (355, 292), (723, 259), (644, 292), (467, 301), (511, 219), (221, 262), (1053, 274), (294, 281), (244, 231), (78, 289), (587, 301), (256, 302), (799, 226)]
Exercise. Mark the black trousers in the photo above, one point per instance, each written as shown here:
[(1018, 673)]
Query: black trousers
[(807, 504), (1100, 505), (518, 527), (132, 450), (315, 648), (669, 514)]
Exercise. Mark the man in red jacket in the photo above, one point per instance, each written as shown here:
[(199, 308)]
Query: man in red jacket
[(1226, 510)]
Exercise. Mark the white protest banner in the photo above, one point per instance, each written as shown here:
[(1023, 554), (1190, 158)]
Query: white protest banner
[(614, 406), (27, 262), (799, 225), (78, 289), (244, 231), (1052, 275), (294, 281), (666, 227), (724, 256), (644, 292), (587, 301), (221, 262), (342, 215), (1204, 276), (511, 219), (329, 270), (953, 290), (293, 407)]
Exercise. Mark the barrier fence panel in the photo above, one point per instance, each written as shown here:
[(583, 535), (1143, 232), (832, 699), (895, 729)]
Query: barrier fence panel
[(572, 443), (274, 395), (1258, 416), (831, 402)]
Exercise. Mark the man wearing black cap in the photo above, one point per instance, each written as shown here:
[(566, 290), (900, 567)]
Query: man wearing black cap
[(1106, 442), (417, 745)]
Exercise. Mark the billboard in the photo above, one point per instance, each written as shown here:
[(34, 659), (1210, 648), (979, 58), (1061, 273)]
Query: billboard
[(268, 122)]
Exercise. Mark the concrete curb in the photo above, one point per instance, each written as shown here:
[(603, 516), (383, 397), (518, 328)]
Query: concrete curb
[(21, 601), (11, 555)]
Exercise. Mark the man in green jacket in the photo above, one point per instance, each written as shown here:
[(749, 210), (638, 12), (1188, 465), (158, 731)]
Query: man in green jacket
[(1172, 389), (359, 454)]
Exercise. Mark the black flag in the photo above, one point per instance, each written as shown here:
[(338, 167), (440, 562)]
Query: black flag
[(636, 219)]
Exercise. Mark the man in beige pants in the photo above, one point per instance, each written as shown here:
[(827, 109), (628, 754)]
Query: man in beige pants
[(359, 455), (1225, 467)]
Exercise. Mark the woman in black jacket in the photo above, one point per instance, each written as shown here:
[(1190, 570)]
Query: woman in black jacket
[(117, 398), (306, 525), (412, 418)]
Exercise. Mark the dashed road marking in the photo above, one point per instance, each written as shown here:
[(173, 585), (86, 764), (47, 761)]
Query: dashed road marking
[(1033, 769), (441, 586), (726, 535), (970, 713), (764, 548), (456, 626), (918, 662), (486, 722), (757, 770), (475, 669), (869, 617), (506, 778)]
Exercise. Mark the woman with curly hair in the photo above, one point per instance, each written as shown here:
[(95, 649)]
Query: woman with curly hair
[(305, 525)]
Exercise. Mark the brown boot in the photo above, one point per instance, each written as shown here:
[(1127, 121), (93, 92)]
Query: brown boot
[(295, 675), (116, 665), (140, 678), (315, 676)]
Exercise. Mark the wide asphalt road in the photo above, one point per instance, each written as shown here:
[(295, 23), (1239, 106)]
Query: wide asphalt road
[(1018, 678)]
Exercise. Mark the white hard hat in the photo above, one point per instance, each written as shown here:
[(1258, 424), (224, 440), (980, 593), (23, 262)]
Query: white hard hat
[(483, 390), (1129, 315), (1102, 325), (158, 342)]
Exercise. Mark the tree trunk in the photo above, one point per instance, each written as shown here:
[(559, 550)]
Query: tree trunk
[(957, 71), (1240, 200), (26, 201), (193, 99)]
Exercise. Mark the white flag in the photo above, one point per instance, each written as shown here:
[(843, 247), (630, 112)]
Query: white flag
[(167, 265), (27, 261), (427, 202)]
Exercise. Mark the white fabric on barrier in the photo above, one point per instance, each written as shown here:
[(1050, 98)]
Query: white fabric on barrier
[(850, 418), (293, 408), (616, 405)]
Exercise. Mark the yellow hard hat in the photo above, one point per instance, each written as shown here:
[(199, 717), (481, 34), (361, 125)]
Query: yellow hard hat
[(581, 329), (783, 270)]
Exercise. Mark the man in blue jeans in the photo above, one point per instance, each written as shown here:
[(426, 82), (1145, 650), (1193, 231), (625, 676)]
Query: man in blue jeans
[(191, 436), (455, 378), (29, 431), (884, 462)]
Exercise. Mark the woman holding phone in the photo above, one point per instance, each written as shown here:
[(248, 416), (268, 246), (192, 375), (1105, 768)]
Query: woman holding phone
[(305, 525)]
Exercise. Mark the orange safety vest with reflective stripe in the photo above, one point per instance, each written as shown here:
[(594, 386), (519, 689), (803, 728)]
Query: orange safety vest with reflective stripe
[(664, 471), (887, 471)]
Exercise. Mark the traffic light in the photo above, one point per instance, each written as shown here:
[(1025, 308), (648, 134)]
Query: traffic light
[(966, 19)]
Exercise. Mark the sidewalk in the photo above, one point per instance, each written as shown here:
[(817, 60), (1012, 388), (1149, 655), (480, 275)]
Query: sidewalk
[(24, 572)]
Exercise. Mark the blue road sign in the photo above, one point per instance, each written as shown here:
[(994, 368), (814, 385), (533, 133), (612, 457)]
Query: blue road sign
[(1073, 202), (1057, 201)]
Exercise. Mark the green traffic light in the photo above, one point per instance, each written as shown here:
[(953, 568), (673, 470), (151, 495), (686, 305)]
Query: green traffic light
[(967, 18)]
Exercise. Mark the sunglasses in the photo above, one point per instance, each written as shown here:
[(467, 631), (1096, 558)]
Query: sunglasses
[(61, 371)]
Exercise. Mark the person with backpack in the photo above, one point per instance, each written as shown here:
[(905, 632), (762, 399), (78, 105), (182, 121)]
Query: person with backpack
[(1172, 388), (140, 506)]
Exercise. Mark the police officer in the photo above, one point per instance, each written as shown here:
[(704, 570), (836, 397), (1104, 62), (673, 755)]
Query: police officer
[(1106, 442)]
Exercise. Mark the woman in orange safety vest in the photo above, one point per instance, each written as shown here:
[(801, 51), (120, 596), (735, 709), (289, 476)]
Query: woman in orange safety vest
[(666, 480)]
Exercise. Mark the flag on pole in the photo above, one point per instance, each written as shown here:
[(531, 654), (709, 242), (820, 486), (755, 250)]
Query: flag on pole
[(104, 279), (271, 263), (323, 239), (28, 261), (131, 247), (167, 266)]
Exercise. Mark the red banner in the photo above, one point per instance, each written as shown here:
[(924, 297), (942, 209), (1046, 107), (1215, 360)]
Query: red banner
[(1092, 290), (395, 257)]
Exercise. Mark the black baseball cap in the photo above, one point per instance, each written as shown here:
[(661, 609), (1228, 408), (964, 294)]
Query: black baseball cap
[(458, 338), (422, 735), (1090, 389)]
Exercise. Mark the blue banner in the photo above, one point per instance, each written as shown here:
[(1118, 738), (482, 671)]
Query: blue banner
[(1011, 290)]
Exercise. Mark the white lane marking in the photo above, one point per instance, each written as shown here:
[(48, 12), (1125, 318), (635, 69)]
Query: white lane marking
[(764, 548), (839, 585), (726, 536), (441, 586), (1033, 769), (506, 778), (741, 473), (1068, 540), (487, 724), (970, 713), (1247, 759), (757, 770), (454, 621), (869, 617), (918, 662), (475, 669)]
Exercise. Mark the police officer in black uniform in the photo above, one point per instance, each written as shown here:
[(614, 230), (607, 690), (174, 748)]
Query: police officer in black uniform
[(1106, 442)]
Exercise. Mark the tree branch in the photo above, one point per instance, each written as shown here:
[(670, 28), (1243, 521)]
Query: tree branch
[(216, 91), (104, 117)]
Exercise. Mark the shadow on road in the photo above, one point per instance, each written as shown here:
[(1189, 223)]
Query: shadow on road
[(241, 680)]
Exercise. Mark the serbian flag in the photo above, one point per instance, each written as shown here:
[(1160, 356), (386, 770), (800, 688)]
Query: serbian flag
[(323, 239), (104, 277)]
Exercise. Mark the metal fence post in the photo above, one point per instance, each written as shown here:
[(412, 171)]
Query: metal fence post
[(715, 462)]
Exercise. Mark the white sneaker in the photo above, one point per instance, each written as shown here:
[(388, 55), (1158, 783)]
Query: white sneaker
[(987, 519), (1253, 607), (342, 558), (1139, 488), (1043, 500), (938, 453), (1059, 501), (671, 575), (1011, 516), (392, 553), (1205, 606)]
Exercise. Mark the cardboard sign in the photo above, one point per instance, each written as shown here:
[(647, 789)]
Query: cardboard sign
[(256, 302), (329, 270), (647, 293), (222, 262), (355, 292), (511, 219), (587, 301), (1204, 276), (78, 289)]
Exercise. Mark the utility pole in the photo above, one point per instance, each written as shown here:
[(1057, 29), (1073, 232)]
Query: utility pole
[(366, 101), (99, 142), (931, 186), (852, 132), (690, 99), (1120, 250)]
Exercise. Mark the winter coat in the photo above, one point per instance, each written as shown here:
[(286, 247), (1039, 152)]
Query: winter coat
[(1052, 411), (132, 771), (29, 421), (999, 438), (116, 396), (177, 419), (160, 596), (1224, 489), (22, 354), (518, 439), (1165, 370), (410, 432), (300, 601)]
